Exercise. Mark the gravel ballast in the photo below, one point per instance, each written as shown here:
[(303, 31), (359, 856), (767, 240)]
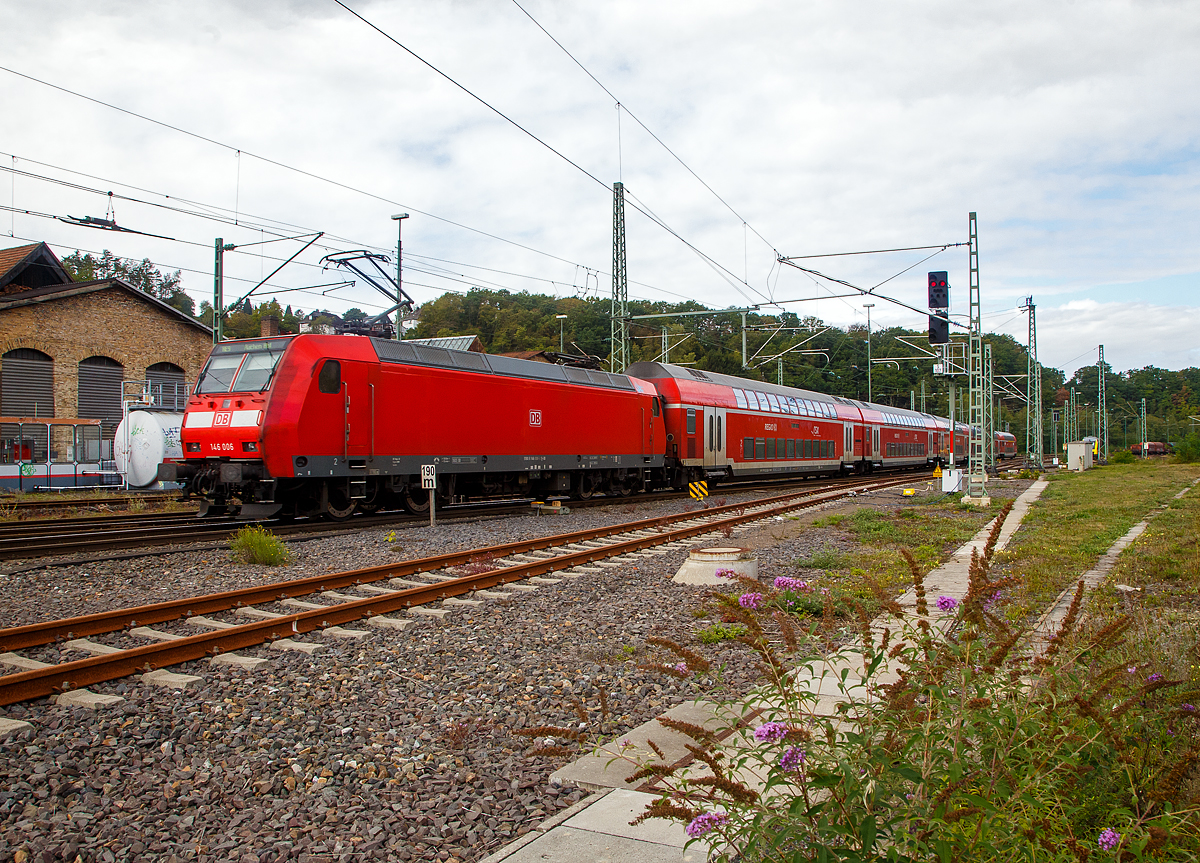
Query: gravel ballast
[(399, 746)]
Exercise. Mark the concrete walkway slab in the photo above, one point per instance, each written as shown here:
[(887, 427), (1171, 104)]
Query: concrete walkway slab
[(85, 698), (601, 833)]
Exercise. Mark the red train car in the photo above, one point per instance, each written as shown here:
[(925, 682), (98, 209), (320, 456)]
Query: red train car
[(1154, 447), (328, 424), (1006, 445), (723, 427)]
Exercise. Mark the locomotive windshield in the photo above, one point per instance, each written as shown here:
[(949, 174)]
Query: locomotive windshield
[(241, 367)]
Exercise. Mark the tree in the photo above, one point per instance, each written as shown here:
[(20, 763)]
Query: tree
[(354, 315), (142, 275)]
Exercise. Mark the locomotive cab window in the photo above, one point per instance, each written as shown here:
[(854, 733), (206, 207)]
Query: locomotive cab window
[(691, 420), (330, 378), (654, 406)]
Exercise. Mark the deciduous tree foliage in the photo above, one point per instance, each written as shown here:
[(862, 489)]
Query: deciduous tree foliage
[(143, 276)]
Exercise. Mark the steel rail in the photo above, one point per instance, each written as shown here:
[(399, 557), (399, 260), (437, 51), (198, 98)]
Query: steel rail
[(38, 683), (36, 634)]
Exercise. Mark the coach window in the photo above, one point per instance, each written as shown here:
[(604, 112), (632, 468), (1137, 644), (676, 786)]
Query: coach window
[(691, 421), (712, 437), (760, 448), (770, 447), (791, 448), (747, 448), (739, 397), (720, 440), (774, 402), (330, 378), (779, 450)]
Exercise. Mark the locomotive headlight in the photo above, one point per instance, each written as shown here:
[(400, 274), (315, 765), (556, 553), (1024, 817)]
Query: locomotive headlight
[(193, 446), (249, 446)]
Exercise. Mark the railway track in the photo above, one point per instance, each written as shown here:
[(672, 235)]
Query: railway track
[(84, 503), (408, 586), (27, 540)]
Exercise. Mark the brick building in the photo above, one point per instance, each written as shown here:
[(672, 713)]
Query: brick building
[(66, 347)]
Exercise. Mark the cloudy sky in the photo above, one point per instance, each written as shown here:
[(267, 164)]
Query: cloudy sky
[(795, 129)]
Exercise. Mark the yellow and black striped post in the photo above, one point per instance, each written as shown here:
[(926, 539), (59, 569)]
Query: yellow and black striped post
[(699, 490)]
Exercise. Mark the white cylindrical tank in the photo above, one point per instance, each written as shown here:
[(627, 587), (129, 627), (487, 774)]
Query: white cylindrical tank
[(143, 440)]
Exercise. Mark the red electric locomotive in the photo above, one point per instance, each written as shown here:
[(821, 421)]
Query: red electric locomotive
[(311, 424)]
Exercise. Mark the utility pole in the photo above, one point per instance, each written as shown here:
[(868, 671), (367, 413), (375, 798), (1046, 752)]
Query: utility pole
[(976, 469), (1073, 419), (218, 287), (562, 324), (1145, 437), (922, 395), (620, 285), (665, 347), (868, 307), (781, 371), (399, 217), (1103, 412)]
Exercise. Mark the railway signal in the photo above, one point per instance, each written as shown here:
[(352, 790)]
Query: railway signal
[(939, 306)]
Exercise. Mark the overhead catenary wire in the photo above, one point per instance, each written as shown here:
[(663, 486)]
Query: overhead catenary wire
[(636, 205), (622, 106), (284, 166), (262, 223)]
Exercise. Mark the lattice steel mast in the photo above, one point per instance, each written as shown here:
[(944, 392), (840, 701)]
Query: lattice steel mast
[(1035, 435), (976, 467), (1103, 419), (620, 285), (989, 410)]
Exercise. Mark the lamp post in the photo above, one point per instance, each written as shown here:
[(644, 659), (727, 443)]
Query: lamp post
[(561, 328), (399, 217), (868, 307)]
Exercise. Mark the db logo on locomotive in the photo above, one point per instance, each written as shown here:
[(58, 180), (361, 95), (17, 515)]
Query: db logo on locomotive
[(223, 418), (535, 418)]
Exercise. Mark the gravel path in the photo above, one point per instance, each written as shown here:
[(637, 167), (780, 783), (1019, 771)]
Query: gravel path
[(396, 747)]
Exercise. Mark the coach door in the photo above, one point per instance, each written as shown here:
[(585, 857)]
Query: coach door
[(714, 436), (358, 406), (875, 443), (848, 449)]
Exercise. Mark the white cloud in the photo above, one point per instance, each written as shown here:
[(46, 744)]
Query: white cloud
[(1069, 128)]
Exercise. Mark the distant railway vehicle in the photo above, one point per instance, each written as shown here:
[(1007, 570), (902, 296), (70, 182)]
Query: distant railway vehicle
[(1006, 445), (311, 424), (1154, 447)]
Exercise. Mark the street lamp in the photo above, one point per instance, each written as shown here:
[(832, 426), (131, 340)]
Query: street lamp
[(561, 328), (399, 218), (868, 307)]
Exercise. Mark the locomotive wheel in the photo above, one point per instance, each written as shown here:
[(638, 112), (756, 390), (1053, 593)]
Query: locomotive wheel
[(586, 486), (336, 504), (622, 486), (416, 501)]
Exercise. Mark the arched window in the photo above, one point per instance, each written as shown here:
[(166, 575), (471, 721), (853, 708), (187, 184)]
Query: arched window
[(26, 384), (167, 386), (26, 390), (100, 392)]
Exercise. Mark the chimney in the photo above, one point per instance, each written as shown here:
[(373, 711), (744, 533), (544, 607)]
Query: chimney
[(270, 325)]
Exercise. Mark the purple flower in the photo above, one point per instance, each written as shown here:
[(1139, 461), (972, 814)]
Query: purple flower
[(1187, 707), (750, 600), (792, 759), (785, 582), (702, 824), (681, 667), (1109, 839), (726, 573), (947, 603), (770, 732), (1132, 669), (1154, 678)]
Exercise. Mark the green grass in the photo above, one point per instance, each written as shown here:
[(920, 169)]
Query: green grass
[(1077, 519), (931, 528), (258, 545), (720, 632)]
